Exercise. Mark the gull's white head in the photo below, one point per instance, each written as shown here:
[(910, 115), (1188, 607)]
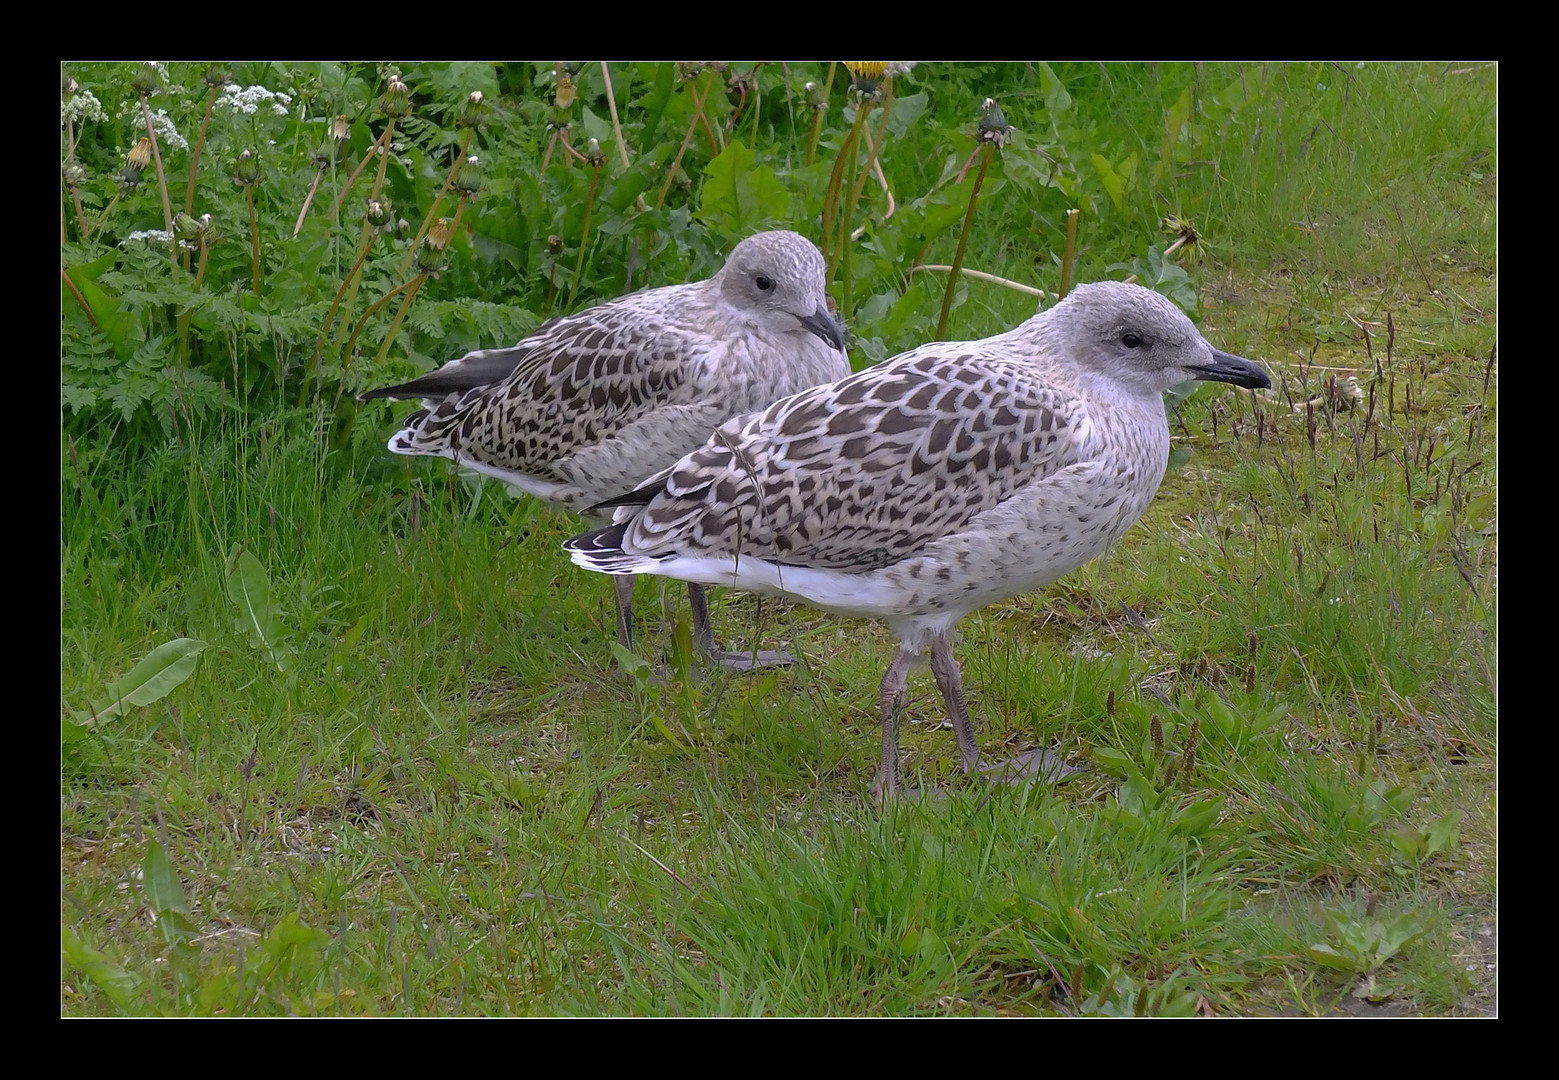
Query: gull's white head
[(775, 281), (1139, 340)]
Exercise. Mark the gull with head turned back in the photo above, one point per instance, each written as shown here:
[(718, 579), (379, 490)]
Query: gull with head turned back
[(935, 483), (589, 404)]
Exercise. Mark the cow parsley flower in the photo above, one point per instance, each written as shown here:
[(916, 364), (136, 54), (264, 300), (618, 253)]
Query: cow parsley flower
[(150, 236), (248, 99), (82, 105), (167, 134)]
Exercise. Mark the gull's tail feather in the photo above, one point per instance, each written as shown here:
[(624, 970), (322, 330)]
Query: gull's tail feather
[(601, 550), (428, 431)]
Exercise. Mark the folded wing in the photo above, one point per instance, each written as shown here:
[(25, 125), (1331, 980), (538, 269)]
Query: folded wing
[(862, 473)]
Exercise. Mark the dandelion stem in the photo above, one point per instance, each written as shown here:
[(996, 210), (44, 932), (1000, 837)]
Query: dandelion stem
[(831, 196), (454, 173), (82, 300), (102, 219), (617, 128), (194, 165), (200, 273), (876, 160), (367, 240), (254, 236), (162, 179), (308, 200), (551, 145), (757, 106), (410, 288), (584, 235), (819, 113), (1008, 283), (698, 109), (963, 243), (382, 140), (373, 309), (194, 161), (75, 193), (81, 215), (460, 208), (335, 305), (672, 172), (1069, 252), (846, 245), (400, 316), (963, 172)]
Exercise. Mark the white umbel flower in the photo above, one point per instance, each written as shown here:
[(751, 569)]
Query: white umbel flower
[(248, 99), (167, 134), (82, 105)]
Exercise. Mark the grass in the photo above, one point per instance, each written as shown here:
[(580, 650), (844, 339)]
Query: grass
[(454, 800)]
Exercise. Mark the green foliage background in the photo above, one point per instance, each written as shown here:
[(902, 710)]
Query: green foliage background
[(304, 682)]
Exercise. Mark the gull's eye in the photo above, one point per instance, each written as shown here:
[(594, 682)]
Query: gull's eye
[(764, 284), (1131, 341)]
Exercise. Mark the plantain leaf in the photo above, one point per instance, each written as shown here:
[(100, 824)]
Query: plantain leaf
[(112, 979), (162, 669)]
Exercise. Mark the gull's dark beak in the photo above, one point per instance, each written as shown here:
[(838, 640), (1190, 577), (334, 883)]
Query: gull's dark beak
[(821, 323), (1226, 367)]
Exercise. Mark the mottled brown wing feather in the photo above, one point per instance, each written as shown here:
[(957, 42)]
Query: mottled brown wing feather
[(580, 380), (862, 473)]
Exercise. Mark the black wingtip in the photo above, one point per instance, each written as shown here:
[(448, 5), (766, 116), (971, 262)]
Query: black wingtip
[(597, 541), (641, 496)]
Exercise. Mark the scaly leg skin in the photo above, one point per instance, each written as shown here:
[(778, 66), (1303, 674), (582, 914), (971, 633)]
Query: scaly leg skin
[(622, 587), (890, 774), (704, 641), (1019, 771), (944, 665)]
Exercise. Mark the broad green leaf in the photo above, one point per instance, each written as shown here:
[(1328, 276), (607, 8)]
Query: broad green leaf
[(1444, 833), (740, 197), (1175, 118), (114, 323), (636, 179), (665, 731), (164, 668), (1115, 760), (1116, 179), (1196, 819), (631, 662), (349, 640), (1057, 100), (1330, 957), (596, 127), (164, 891), (249, 587), (112, 979), (905, 111), (654, 102)]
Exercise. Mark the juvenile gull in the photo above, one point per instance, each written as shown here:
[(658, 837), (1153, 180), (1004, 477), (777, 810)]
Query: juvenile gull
[(942, 480), (589, 405)]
